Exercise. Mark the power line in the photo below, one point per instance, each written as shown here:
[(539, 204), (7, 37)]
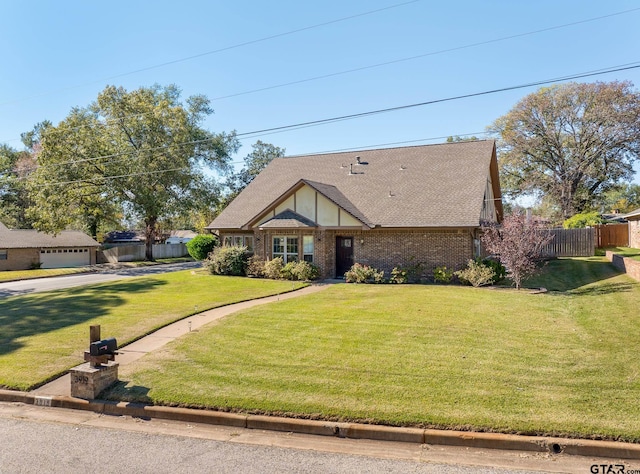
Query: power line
[(372, 66), (283, 128), (433, 53), (220, 50)]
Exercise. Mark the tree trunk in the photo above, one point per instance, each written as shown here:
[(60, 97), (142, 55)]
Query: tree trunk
[(150, 234)]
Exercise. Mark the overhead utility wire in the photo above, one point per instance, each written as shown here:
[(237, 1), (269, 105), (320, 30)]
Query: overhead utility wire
[(395, 61), (220, 50), (270, 131), (432, 53)]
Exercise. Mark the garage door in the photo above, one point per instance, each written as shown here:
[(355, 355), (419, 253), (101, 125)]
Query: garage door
[(60, 258)]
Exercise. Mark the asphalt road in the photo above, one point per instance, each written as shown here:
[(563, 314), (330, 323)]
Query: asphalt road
[(37, 446), (24, 287)]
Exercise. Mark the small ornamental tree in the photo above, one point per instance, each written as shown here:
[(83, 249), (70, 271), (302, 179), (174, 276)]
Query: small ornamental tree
[(518, 244)]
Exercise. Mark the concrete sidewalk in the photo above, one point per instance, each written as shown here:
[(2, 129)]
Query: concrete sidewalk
[(154, 341)]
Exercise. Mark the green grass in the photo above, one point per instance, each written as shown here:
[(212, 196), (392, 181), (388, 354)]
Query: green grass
[(14, 275), (626, 252), (44, 334), (560, 363)]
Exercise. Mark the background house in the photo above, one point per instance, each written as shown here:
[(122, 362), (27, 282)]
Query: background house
[(634, 228), (22, 249), (180, 236), (384, 208)]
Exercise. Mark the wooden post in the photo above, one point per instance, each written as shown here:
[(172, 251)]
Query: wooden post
[(94, 333)]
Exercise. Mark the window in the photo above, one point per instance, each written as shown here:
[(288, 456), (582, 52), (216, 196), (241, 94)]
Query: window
[(248, 242), (307, 248), (239, 240), (285, 247), (4, 254)]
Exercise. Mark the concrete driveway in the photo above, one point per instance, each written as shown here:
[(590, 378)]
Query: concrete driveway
[(23, 287)]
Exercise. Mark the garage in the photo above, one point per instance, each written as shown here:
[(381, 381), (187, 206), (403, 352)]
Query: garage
[(66, 257)]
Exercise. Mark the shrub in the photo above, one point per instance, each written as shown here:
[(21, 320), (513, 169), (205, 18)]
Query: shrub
[(500, 272), (407, 274), (364, 274), (306, 271), (442, 275), (201, 245), (273, 268), (476, 274), (255, 267), (227, 261), (398, 275)]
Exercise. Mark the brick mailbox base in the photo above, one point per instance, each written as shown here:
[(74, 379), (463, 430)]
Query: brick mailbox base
[(87, 382)]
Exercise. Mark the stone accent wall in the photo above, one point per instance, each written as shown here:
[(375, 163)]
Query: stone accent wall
[(634, 234), (625, 264), (87, 382), (20, 259)]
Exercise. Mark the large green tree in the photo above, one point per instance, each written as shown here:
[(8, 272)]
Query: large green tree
[(144, 150), (570, 142), (261, 155), (15, 167)]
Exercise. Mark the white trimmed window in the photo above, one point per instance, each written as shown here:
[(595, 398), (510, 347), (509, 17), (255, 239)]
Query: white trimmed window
[(285, 247), (239, 240), (307, 248)]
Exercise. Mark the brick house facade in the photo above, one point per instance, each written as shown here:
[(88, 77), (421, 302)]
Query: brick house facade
[(384, 208), (634, 231)]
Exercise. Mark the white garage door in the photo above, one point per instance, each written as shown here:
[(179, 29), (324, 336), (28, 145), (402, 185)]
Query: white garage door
[(60, 258)]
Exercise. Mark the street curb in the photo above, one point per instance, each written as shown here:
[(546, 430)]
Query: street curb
[(469, 439)]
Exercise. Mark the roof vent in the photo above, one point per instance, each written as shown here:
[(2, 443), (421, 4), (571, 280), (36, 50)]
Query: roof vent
[(360, 162), (403, 167), (351, 168)]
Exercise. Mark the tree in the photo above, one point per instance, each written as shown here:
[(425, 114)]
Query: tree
[(518, 244), (15, 167), (254, 162), (144, 150), (582, 220), (624, 198), (570, 142)]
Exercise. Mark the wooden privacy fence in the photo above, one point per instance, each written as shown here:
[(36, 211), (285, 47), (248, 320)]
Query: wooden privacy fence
[(571, 243), (612, 235), (135, 253)]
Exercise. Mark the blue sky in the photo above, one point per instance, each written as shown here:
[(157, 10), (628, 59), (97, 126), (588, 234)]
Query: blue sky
[(57, 55)]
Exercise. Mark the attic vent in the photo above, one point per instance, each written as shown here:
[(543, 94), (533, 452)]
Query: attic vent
[(358, 159), (360, 162), (403, 167)]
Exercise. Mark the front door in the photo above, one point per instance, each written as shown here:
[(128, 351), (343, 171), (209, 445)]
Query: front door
[(344, 255)]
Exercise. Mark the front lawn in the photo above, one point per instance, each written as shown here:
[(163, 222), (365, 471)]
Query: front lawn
[(561, 363), (626, 252), (44, 334)]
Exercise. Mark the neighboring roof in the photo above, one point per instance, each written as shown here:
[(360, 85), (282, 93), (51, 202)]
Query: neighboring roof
[(24, 239), (422, 186), (183, 234), (124, 236), (632, 214), (287, 220)]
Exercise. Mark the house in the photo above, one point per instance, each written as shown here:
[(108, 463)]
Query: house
[(22, 249), (180, 236), (124, 237), (385, 208), (634, 228)]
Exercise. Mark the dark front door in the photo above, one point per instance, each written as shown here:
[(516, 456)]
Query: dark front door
[(344, 255)]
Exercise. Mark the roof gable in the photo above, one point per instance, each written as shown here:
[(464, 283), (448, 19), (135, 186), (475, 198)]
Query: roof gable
[(425, 186)]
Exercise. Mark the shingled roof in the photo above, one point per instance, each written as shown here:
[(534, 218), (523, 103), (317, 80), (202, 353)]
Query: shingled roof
[(423, 186), (26, 238)]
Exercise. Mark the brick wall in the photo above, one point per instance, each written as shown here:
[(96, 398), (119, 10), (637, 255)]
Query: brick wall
[(634, 234), (625, 264), (384, 249), (20, 259)]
